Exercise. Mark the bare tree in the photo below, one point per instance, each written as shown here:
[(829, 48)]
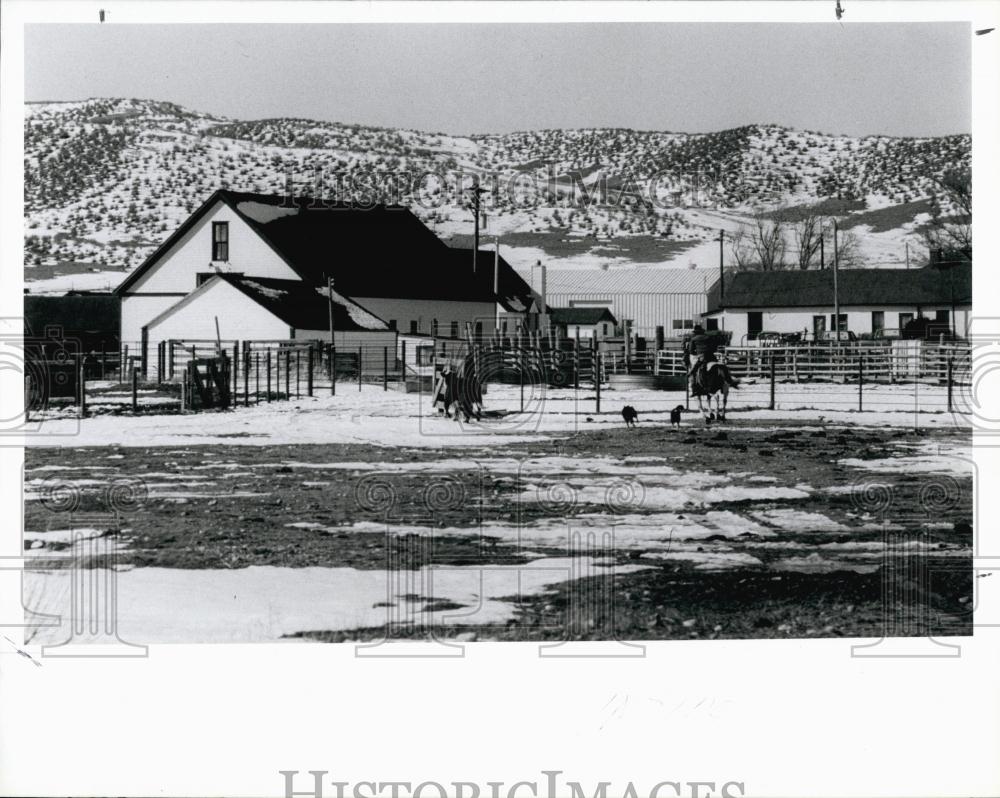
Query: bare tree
[(847, 250), (760, 244), (768, 241), (808, 234), (740, 250), (950, 229)]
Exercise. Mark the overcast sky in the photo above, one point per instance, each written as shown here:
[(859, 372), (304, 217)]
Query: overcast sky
[(905, 79)]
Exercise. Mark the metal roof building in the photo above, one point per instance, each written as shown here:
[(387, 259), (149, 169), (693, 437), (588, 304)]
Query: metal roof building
[(648, 296)]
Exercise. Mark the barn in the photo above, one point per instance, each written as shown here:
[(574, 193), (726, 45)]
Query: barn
[(647, 297), (382, 259), (873, 302)]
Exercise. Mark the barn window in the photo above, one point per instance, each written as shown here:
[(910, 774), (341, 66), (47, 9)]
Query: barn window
[(414, 328), (454, 329), (434, 327), (392, 324), (220, 240)]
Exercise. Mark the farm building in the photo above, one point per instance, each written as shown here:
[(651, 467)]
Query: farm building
[(383, 259), (89, 318), (262, 308), (872, 301), (647, 297), (583, 322)]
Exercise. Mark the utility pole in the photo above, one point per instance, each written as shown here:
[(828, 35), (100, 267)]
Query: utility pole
[(496, 282), (836, 295), (477, 192)]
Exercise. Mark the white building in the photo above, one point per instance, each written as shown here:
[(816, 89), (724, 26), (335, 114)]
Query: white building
[(648, 297), (872, 302), (381, 259), (583, 322)]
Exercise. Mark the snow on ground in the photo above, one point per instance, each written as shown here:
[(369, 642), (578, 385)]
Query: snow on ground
[(394, 419), (81, 281), (262, 603), (927, 457)]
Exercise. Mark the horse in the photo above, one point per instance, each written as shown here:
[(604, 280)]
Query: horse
[(713, 379)]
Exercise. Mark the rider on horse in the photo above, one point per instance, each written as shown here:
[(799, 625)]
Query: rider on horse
[(699, 350)]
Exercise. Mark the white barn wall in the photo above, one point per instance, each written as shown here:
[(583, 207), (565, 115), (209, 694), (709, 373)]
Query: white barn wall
[(424, 311), (137, 311), (175, 275), (647, 311), (240, 318), (177, 270), (859, 320)]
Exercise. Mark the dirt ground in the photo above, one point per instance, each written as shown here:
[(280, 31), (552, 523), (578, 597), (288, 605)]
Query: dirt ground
[(825, 541)]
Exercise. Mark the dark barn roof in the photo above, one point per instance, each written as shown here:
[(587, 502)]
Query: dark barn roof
[(304, 306), (789, 289), (381, 251), (581, 316)]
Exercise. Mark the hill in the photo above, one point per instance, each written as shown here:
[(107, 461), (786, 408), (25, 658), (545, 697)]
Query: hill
[(106, 180)]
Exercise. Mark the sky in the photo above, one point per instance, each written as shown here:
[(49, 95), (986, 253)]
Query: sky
[(894, 79)]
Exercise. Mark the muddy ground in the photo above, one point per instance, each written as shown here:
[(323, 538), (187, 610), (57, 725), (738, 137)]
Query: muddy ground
[(824, 542)]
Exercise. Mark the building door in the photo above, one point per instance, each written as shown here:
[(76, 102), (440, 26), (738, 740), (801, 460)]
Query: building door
[(711, 324), (819, 327), (755, 324), (878, 322), (904, 319)]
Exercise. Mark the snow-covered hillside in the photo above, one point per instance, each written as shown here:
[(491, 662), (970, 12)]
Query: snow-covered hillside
[(106, 180)]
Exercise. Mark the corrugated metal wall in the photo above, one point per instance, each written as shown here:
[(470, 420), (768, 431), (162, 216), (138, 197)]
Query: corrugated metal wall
[(646, 311)]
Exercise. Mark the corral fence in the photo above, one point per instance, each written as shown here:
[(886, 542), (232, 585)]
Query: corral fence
[(191, 375)]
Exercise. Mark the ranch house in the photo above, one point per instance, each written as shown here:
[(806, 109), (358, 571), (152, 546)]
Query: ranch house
[(260, 265), (873, 302)]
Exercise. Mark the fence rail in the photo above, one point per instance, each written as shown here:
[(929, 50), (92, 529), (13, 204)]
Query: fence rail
[(183, 375)]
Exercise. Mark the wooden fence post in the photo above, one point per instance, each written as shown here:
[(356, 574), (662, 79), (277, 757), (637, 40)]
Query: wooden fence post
[(951, 374), (576, 360), (597, 378), (288, 368), (360, 356), (385, 368), (771, 405), (309, 371), (268, 375), (861, 382), (333, 370), (246, 375), (135, 390), (81, 386), (520, 371)]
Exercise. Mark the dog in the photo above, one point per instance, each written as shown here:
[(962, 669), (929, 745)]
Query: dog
[(630, 416), (675, 416)]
